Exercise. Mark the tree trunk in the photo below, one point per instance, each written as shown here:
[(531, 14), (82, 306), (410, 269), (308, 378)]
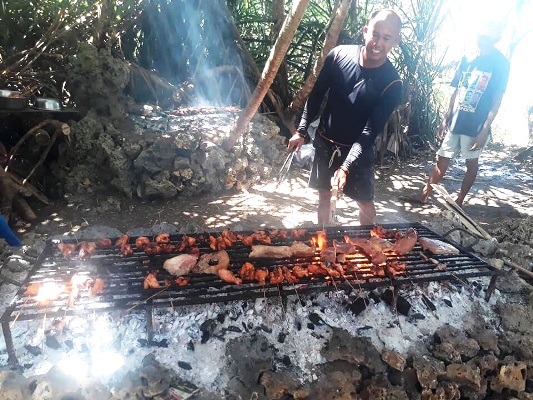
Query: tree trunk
[(277, 55), (330, 42), (280, 86)]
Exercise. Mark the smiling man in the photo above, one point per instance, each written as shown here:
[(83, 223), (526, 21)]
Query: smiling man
[(363, 88)]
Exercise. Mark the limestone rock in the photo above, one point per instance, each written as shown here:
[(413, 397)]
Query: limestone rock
[(393, 359), (465, 346), (428, 369), (465, 375), (512, 375)]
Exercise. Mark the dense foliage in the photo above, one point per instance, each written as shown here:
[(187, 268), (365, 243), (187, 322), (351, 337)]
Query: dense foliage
[(207, 51)]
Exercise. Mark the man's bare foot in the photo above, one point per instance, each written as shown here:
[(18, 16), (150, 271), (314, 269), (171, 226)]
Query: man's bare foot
[(414, 199)]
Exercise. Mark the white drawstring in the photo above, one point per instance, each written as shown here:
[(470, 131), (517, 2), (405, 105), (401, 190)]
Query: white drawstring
[(336, 152)]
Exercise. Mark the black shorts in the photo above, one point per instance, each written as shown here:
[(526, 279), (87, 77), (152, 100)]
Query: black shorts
[(360, 180)]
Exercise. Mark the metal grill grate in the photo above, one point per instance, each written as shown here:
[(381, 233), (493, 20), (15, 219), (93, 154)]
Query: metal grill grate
[(124, 276)]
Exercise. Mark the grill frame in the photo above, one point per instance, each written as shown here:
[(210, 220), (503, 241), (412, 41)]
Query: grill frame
[(124, 277)]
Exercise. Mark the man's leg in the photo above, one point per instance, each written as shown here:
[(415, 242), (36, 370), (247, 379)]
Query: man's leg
[(324, 197), (367, 212), (436, 175), (472, 166)]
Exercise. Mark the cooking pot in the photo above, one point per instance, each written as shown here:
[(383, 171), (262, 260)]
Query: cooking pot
[(12, 100), (45, 103)]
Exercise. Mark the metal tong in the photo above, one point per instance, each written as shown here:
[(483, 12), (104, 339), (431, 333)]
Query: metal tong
[(284, 171)]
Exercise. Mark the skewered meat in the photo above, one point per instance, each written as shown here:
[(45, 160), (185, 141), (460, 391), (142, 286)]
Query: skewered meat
[(210, 263), (66, 249), (77, 282), (126, 250), (153, 248), (97, 287), (141, 242), (162, 238), (150, 282), (300, 249), (384, 233), (186, 241), (123, 239), (276, 276), (323, 270), (298, 233), (168, 248), (299, 271), (261, 275), (180, 265), (227, 276), (406, 242), (437, 246), (262, 251), (104, 242), (247, 272), (328, 255), (289, 276), (256, 237), (376, 257), (86, 250), (344, 248), (281, 234), (181, 281), (380, 244)]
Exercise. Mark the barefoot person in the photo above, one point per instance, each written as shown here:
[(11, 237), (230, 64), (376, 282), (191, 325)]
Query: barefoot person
[(480, 83), (363, 88)]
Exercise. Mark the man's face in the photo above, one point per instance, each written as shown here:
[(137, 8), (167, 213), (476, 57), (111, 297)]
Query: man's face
[(380, 35)]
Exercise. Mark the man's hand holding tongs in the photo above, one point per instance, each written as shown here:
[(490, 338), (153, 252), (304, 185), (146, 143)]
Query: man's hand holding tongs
[(339, 178), (295, 142)]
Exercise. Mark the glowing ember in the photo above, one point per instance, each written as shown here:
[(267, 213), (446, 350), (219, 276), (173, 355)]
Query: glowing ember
[(49, 291)]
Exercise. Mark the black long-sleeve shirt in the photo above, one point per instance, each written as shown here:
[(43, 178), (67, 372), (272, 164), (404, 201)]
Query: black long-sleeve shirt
[(360, 100)]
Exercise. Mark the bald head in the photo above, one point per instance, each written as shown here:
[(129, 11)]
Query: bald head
[(381, 34), (388, 16)]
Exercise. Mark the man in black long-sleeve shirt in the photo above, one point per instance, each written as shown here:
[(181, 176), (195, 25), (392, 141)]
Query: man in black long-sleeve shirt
[(363, 88)]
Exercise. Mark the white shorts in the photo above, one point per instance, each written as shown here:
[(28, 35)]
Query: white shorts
[(455, 144)]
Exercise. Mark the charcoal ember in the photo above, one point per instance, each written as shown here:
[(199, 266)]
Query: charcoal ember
[(310, 326), (401, 304), (286, 361), (281, 337), (159, 343), (428, 303), (221, 317), (374, 296), (52, 342), (233, 328), (33, 350), (447, 301), (361, 330), (265, 328), (69, 343), (184, 365), (264, 346), (298, 326), (315, 319), (207, 328), (358, 305), (190, 346), (418, 316)]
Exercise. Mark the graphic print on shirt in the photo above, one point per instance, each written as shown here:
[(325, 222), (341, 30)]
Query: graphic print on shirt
[(472, 86)]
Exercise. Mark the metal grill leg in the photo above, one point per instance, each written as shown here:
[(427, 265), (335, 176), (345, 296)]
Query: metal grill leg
[(149, 325), (12, 358)]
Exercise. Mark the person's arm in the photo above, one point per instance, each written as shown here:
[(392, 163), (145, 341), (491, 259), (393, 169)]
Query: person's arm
[(481, 138), (313, 103), (376, 123)]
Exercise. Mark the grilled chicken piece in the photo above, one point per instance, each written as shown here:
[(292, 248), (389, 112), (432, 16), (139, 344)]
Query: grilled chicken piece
[(276, 276), (375, 256), (181, 281), (86, 250), (186, 241), (123, 239), (380, 244), (300, 249), (227, 276), (168, 248), (141, 242), (298, 233), (97, 287), (393, 268), (406, 242), (289, 276), (150, 282), (180, 265), (328, 255), (256, 237), (262, 251), (437, 246), (210, 263), (344, 248), (126, 250), (247, 272), (104, 242), (299, 271), (162, 238), (153, 248), (323, 270), (379, 231), (66, 249), (261, 275)]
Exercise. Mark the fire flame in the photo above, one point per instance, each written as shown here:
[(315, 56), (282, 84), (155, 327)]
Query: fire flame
[(49, 291), (320, 241)]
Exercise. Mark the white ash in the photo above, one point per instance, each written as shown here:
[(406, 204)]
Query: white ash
[(179, 327)]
